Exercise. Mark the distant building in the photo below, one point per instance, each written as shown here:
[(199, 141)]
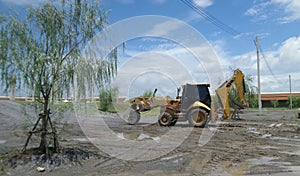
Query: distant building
[(282, 99), (266, 99)]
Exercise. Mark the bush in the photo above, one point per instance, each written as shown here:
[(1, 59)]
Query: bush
[(275, 103), (107, 99), (295, 101), (147, 94)]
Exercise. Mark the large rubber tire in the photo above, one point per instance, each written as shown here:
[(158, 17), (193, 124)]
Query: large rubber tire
[(197, 117), (165, 119), (133, 117)]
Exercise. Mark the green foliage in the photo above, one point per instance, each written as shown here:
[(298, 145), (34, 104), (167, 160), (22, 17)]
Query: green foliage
[(253, 101), (250, 93), (2, 165), (107, 99), (147, 94), (43, 50), (12, 34), (275, 103), (295, 101)]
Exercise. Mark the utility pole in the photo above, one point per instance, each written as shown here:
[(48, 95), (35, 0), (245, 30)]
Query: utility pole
[(258, 74), (291, 96)]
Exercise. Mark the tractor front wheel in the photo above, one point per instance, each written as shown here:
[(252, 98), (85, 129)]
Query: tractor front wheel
[(165, 119), (197, 117)]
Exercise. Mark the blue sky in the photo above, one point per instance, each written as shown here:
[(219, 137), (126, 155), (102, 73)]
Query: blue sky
[(250, 18), (276, 22)]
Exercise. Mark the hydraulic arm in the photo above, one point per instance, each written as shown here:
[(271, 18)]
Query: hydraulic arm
[(223, 95)]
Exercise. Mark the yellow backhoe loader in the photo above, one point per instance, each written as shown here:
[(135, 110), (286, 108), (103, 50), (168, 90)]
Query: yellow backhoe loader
[(193, 105)]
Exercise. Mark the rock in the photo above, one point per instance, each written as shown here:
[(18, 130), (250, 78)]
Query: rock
[(253, 130), (266, 135), (40, 169), (272, 125)]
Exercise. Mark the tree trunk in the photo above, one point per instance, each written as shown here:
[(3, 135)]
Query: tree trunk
[(45, 119), (44, 143), (12, 91)]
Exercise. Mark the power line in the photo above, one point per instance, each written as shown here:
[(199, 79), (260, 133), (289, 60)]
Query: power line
[(201, 11), (267, 63), (205, 14)]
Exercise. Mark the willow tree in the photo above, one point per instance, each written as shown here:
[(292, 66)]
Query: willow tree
[(10, 52), (51, 37)]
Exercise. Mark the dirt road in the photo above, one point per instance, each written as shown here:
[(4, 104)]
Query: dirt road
[(260, 144)]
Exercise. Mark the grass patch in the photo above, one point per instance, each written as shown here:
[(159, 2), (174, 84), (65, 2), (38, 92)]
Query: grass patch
[(1, 163)]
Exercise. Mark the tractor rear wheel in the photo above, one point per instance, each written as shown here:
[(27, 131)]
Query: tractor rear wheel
[(165, 119), (133, 117), (197, 117)]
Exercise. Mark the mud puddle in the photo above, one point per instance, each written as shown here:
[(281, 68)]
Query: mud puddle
[(3, 141), (84, 139), (291, 153), (138, 136), (266, 165), (261, 161)]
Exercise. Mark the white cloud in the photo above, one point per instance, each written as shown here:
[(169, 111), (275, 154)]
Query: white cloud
[(283, 62), (163, 64), (203, 3), (149, 70), (193, 16), (280, 84), (289, 55), (169, 26), (259, 11), (246, 35), (263, 11), (291, 7)]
